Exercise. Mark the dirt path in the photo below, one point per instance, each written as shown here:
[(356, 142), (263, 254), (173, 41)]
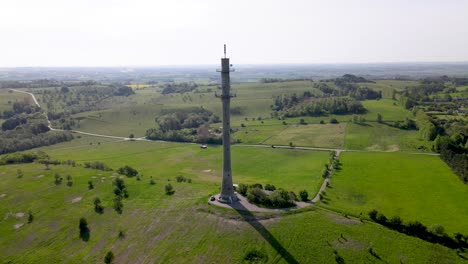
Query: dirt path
[(327, 179)]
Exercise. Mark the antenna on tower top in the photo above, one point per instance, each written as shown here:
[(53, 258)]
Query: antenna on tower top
[(224, 50)]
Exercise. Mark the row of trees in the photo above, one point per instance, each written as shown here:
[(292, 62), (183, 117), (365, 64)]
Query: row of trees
[(434, 234), (318, 107), (454, 151), (184, 87)]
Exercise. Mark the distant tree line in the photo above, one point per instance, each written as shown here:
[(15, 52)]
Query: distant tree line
[(43, 83), (184, 87), (292, 105), (276, 80)]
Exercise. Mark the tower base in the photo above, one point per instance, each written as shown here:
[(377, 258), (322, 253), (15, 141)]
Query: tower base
[(228, 199)]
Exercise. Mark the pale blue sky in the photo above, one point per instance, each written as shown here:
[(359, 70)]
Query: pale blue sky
[(153, 32)]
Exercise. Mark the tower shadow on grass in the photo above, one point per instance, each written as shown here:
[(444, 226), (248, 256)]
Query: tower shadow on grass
[(253, 221)]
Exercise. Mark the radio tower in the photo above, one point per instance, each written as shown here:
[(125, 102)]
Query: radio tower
[(227, 191)]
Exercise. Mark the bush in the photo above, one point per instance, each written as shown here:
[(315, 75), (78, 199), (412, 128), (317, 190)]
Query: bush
[(109, 257), (270, 187), (256, 195), (90, 185), (169, 189), (181, 178), (304, 195), (120, 188), (333, 121), (242, 189), (84, 230), (128, 171), (30, 217), (118, 205), (98, 208)]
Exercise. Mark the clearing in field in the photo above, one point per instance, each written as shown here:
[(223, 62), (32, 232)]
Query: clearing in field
[(414, 187)]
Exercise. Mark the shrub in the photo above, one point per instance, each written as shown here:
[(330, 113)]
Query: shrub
[(152, 182), (270, 187), (169, 189), (304, 195), (58, 179), (120, 188), (118, 205), (90, 185), (84, 230), (322, 122), (292, 196), (109, 257), (180, 178), (242, 189), (373, 214), (98, 208), (333, 121), (128, 171), (256, 195), (30, 217)]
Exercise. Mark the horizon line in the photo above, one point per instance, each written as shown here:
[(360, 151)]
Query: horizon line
[(238, 64)]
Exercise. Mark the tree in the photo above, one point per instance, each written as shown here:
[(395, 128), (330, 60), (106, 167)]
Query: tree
[(169, 189), (98, 208), (304, 195), (118, 205), (333, 121), (84, 230), (120, 188), (131, 135), (90, 185), (109, 257), (379, 118), (19, 173)]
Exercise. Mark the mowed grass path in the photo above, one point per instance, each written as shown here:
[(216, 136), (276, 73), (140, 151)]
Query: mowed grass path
[(414, 187)]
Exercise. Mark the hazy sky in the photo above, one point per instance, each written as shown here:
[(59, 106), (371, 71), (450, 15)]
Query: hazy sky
[(154, 32)]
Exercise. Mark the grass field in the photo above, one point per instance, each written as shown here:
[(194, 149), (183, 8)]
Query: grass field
[(389, 109), (182, 228), (375, 136), (415, 187), (326, 135)]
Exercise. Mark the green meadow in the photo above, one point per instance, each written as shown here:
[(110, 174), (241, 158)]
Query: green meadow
[(414, 187), (182, 228)]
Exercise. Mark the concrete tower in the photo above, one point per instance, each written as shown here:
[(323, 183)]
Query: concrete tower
[(227, 191)]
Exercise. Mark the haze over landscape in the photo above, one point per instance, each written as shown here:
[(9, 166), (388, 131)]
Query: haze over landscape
[(183, 32)]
